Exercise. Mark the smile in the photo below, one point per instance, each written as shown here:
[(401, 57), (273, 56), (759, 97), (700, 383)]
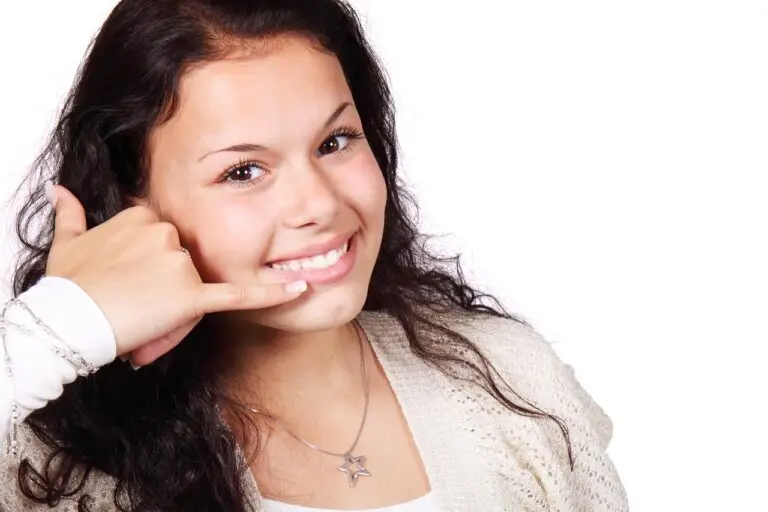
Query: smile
[(319, 261), (328, 266)]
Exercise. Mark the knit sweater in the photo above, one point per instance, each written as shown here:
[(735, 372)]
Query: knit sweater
[(478, 455)]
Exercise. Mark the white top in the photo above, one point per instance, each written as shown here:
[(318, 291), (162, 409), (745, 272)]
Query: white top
[(427, 503), (39, 375)]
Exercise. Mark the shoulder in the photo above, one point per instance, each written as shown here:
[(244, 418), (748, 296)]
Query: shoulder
[(98, 486), (532, 370), (517, 353), (507, 341), (528, 363), (528, 455)]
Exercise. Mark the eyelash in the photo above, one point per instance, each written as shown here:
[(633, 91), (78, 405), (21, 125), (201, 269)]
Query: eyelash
[(344, 131)]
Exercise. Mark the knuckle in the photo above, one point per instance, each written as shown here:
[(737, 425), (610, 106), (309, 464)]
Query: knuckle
[(167, 233), (226, 295), (238, 294), (142, 213), (198, 308)]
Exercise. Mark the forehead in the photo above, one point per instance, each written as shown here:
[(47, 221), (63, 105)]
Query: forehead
[(275, 88)]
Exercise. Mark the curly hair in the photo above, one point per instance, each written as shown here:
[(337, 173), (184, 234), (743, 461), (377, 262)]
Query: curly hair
[(164, 441)]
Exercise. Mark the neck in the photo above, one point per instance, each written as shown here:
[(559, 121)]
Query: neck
[(277, 371)]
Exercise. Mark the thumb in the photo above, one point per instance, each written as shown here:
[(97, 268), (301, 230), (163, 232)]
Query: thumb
[(70, 215)]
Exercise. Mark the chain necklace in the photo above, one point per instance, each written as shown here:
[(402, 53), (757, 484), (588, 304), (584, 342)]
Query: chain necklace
[(354, 465)]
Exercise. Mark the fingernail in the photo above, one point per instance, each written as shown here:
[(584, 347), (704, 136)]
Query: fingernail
[(123, 358), (50, 193), (296, 287), (135, 366)]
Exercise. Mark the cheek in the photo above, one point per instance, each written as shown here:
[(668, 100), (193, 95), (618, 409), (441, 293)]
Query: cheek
[(230, 237), (364, 189)]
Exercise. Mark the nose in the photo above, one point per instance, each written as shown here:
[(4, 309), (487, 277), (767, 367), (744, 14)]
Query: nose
[(311, 198)]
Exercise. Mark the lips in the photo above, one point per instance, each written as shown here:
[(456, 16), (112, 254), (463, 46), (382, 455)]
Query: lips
[(314, 250), (329, 265)]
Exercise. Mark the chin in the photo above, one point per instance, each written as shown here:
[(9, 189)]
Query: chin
[(314, 312)]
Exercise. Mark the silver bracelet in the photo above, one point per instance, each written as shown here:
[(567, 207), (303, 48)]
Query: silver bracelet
[(66, 352), (82, 367), (11, 446)]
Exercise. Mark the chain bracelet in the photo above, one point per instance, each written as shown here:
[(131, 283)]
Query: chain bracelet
[(11, 446), (72, 356), (82, 367)]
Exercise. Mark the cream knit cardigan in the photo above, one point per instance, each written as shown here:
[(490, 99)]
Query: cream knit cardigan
[(477, 454)]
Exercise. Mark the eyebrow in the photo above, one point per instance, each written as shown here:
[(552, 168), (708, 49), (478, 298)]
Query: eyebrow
[(248, 147)]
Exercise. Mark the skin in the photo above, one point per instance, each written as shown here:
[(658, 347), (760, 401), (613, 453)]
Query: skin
[(300, 187), (290, 196)]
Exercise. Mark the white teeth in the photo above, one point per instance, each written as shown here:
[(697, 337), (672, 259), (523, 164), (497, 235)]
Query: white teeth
[(316, 262), (333, 257)]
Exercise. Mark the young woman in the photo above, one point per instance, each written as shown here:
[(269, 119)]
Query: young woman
[(228, 221)]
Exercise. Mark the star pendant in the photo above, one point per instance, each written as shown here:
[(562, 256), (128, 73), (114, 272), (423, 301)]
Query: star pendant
[(354, 468)]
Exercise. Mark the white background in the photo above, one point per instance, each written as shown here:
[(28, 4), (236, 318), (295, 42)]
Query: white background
[(602, 166)]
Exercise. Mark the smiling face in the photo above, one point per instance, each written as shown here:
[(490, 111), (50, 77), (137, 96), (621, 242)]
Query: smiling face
[(267, 175)]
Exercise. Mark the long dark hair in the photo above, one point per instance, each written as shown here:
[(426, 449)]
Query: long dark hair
[(159, 434)]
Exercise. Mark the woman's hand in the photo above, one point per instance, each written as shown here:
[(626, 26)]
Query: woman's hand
[(134, 268)]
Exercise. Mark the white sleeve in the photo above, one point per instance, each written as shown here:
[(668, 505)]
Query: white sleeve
[(39, 375)]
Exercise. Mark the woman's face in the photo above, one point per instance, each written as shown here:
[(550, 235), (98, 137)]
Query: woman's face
[(267, 175)]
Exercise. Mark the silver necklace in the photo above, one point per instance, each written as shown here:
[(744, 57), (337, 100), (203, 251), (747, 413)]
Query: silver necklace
[(354, 465)]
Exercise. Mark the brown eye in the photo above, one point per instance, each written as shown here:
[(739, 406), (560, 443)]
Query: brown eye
[(245, 174), (333, 144), (241, 174)]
